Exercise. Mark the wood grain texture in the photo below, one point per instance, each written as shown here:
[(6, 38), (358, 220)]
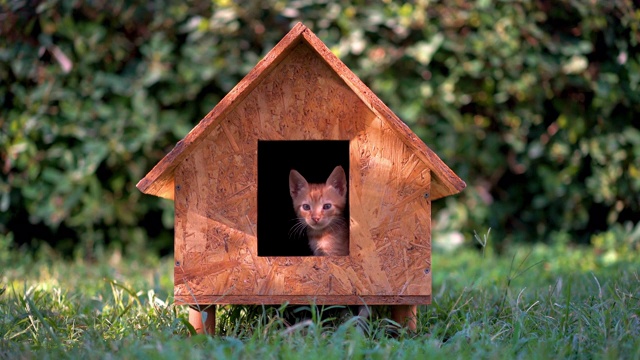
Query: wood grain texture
[(307, 300), (216, 209)]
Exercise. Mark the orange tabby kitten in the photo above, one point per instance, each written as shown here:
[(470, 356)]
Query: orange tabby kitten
[(320, 208)]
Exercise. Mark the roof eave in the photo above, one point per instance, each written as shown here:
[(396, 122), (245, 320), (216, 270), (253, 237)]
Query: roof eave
[(446, 181), (160, 180)]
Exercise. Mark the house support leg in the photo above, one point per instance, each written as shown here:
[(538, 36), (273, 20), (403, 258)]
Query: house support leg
[(206, 325), (405, 315)]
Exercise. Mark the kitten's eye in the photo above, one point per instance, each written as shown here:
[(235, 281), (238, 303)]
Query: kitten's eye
[(326, 206), (306, 207)]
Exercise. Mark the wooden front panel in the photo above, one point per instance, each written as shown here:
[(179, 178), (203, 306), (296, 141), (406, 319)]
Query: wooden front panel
[(216, 209)]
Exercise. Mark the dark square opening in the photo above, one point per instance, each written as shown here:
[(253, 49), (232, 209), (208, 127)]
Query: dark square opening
[(315, 160)]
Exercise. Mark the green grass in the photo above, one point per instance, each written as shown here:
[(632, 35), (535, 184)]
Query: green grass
[(535, 302)]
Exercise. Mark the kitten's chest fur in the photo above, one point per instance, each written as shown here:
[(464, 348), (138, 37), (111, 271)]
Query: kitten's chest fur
[(329, 242)]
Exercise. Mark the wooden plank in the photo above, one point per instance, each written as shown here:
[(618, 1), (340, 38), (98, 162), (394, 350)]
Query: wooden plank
[(304, 300)]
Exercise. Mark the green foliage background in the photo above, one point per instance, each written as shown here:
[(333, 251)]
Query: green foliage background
[(535, 104)]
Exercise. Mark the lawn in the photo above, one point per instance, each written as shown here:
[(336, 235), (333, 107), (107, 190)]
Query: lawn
[(530, 302)]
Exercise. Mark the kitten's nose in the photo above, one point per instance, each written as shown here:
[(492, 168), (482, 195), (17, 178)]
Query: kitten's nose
[(315, 219)]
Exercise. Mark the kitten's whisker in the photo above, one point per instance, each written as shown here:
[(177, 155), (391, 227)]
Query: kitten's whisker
[(297, 230), (294, 229)]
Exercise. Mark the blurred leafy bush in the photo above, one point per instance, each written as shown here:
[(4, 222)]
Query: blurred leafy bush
[(536, 104), (620, 243)]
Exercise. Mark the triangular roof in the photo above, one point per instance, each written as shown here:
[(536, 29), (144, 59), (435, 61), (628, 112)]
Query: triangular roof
[(160, 180)]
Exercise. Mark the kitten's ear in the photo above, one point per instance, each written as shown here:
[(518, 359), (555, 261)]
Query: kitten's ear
[(338, 180), (297, 183)]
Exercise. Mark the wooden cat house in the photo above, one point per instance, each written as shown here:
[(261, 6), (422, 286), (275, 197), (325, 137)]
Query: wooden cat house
[(300, 108)]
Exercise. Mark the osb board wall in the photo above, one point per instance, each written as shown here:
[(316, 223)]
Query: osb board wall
[(216, 210)]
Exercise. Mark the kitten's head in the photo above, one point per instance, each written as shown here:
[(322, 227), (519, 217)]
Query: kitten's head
[(319, 205)]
